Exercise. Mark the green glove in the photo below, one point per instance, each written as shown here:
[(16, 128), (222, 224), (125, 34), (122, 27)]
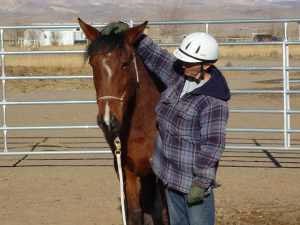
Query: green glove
[(115, 28), (196, 195)]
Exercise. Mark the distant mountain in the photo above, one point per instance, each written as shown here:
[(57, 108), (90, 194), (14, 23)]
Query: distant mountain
[(66, 11)]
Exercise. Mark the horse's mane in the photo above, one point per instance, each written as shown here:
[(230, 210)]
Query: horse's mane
[(105, 43)]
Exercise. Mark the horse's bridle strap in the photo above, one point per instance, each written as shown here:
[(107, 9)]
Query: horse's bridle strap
[(110, 98), (136, 69)]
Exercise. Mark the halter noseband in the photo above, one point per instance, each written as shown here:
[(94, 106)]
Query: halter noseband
[(109, 97)]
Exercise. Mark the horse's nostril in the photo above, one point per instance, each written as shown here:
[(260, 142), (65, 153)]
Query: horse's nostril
[(114, 124), (100, 121)]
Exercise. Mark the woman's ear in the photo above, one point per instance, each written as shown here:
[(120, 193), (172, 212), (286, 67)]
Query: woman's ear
[(134, 33)]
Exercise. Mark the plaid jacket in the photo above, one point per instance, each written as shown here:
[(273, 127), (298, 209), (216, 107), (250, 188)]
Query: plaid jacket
[(191, 128)]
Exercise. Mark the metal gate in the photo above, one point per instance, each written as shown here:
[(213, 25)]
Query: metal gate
[(286, 109)]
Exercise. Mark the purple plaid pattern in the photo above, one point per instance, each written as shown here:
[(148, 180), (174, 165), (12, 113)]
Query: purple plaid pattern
[(191, 128)]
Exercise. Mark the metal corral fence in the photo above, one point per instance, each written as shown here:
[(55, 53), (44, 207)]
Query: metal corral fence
[(285, 68)]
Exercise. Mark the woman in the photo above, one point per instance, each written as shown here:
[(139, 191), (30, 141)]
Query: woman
[(192, 114)]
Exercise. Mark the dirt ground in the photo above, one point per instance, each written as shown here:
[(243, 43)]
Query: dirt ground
[(257, 187), (84, 190)]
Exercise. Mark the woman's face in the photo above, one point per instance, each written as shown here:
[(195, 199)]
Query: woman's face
[(193, 69)]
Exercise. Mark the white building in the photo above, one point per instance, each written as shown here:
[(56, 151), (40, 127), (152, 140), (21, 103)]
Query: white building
[(36, 37), (79, 36)]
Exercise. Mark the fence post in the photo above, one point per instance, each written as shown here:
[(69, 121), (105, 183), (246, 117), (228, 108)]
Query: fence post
[(3, 76), (286, 88), (298, 30)]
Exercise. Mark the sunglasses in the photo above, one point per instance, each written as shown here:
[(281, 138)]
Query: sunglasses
[(186, 65)]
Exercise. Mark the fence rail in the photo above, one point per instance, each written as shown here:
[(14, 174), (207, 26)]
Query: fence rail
[(285, 68)]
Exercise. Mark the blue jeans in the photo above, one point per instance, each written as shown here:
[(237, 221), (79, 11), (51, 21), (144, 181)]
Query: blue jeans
[(181, 214)]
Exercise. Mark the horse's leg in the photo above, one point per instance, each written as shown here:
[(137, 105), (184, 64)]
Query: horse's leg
[(148, 197), (163, 201), (160, 209), (132, 188), (153, 201)]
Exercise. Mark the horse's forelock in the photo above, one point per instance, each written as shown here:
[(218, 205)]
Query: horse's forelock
[(105, 43)]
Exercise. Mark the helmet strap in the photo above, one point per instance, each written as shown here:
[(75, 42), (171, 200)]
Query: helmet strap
[(202, 72)]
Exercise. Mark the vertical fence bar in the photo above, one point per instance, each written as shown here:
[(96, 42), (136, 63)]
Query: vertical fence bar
[(288, 83), (285, 87), (3, 90)]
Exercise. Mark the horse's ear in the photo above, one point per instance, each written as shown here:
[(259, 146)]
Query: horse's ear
[(90, 32), (134, 33)]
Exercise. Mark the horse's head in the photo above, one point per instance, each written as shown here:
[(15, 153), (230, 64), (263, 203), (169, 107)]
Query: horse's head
[(112, 58)]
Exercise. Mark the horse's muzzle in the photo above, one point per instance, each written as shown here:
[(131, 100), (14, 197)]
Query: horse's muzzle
[(113, 127)]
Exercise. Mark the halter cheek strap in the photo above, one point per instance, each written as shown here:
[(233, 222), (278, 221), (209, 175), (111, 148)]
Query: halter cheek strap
[(136, 69)]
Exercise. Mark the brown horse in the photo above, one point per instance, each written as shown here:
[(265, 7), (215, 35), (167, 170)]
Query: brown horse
[(126, 97)]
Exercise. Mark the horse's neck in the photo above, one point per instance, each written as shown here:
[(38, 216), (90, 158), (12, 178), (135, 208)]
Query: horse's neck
[(148, 92), (147, 96)]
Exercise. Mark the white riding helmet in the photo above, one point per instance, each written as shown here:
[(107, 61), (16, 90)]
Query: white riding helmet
[(198, 47)]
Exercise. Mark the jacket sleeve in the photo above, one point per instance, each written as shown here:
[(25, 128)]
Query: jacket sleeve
[(159, 61), (213, 121)]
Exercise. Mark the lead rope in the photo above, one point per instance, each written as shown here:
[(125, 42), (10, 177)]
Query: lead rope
[(117, 143), (117, 152)]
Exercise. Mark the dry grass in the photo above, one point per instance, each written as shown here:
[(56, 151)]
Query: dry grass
[(32, 64), (46, 64), (74, 63), (259, 52), (63, 64)]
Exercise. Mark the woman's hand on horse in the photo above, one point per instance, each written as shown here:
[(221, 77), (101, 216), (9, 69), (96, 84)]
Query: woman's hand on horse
[(115, 28)]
